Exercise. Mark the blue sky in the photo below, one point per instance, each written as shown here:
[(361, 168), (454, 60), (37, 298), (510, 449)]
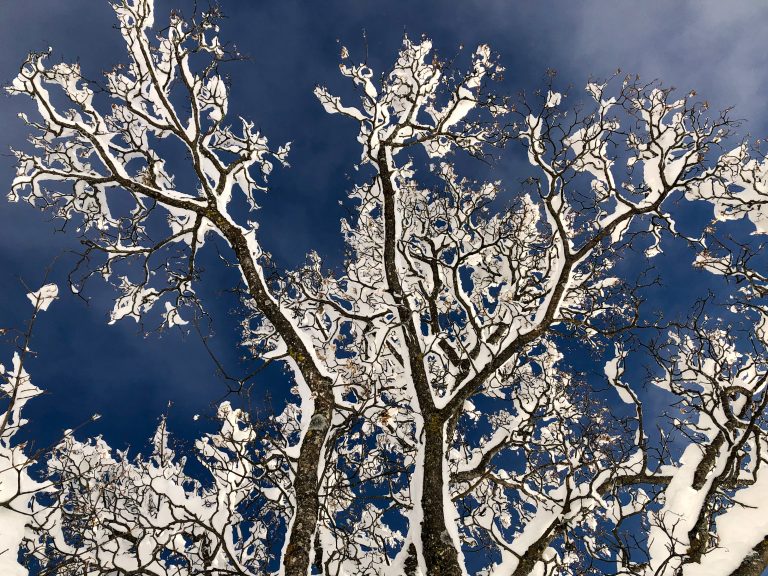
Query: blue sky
[(87, 366)]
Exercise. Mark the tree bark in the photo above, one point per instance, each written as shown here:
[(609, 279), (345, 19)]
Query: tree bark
[(533, 554), (411, 565), (440, 554), (299, 540), (298, 550)]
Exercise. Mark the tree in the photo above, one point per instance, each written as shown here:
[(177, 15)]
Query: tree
[(437, 415), (17, 488)]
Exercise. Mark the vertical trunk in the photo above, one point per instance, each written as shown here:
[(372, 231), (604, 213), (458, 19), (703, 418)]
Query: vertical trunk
[(440, 553), (298, 549), (317, 561), (299, 540)]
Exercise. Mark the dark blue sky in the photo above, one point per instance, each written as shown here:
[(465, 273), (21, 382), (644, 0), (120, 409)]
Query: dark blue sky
[(88, 366)]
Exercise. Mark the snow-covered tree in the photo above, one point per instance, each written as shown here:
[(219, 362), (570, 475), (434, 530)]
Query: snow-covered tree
[(437, 426), (18, 489)]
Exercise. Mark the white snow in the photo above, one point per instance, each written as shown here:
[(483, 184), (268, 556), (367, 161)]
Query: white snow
[(43, 297)]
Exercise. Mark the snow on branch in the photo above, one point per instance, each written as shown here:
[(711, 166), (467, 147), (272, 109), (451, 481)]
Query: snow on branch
[(435, 410), (98, 159), (419, 102), (18, 488)]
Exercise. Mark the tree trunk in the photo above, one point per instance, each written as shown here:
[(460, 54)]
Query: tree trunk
[(296, 559), (440, 554), (299, 539), (411, 564)]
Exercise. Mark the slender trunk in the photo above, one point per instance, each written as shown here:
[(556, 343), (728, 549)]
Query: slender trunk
[(299, 540), (298, 549), (440, 553)]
